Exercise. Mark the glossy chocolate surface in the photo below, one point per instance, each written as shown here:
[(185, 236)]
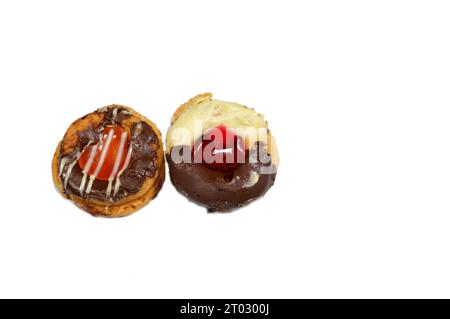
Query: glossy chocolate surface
[(218, 190)]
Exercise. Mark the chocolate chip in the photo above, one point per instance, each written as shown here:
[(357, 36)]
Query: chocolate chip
[(131, 180)]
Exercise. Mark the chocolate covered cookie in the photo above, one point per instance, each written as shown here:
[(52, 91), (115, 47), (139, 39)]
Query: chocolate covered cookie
[(110, 162), (221, 155)]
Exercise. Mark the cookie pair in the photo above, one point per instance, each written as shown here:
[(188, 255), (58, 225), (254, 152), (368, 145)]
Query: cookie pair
[(111, 162)]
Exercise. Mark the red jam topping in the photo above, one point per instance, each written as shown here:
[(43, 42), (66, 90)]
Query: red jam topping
[(114, 142)]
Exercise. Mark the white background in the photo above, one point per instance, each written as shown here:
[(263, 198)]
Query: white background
[(356, 92)]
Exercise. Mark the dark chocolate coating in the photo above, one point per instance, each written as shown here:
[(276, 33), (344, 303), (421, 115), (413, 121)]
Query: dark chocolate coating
[(217, 190)]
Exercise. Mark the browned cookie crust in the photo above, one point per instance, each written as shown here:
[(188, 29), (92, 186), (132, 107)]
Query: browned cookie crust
[(135, 183)]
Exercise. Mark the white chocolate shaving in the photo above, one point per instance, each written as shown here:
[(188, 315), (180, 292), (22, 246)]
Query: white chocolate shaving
[(253, 179)]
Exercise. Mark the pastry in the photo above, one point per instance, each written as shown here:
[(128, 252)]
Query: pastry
[(110, 162), (221, 155)]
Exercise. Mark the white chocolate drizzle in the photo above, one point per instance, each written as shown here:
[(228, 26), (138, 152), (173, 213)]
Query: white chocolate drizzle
[(88, 167), (69, 172), (103, 109), (61, 166), (124, 167), (114, 113), (101, 161), (127, 160), (123, 139)]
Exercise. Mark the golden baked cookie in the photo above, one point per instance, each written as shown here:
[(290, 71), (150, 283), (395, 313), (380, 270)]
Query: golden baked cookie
[(110, 162)]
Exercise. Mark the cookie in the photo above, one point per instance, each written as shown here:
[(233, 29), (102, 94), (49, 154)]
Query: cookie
[(110, 162), (221, 155)]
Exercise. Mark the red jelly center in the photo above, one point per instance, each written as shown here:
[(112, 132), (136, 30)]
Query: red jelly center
[(114, 142), (220, 149)]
